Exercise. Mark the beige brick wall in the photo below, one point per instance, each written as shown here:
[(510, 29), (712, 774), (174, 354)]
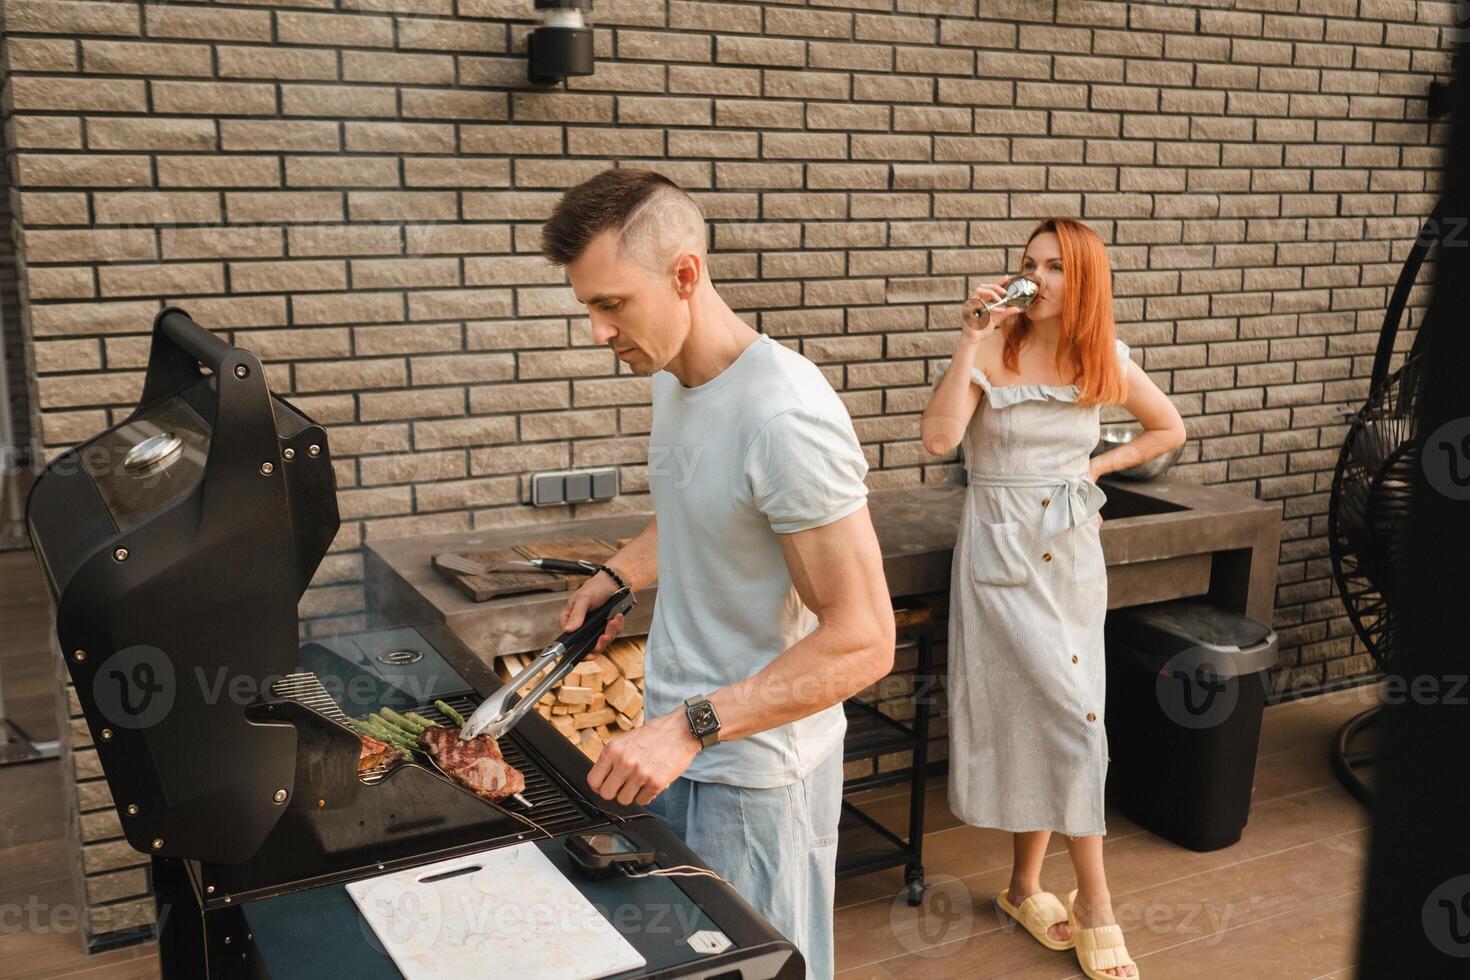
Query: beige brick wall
[(353, 189)]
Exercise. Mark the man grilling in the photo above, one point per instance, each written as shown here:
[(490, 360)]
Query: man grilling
[(772, 606)]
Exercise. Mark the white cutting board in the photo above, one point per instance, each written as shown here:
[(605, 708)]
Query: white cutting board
[(506, 912)]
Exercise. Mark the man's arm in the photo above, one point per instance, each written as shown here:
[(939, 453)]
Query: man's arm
[(636, 562), (838, 572)]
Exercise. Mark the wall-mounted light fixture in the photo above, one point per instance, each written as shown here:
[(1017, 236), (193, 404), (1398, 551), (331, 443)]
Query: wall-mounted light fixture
[(562, 45)]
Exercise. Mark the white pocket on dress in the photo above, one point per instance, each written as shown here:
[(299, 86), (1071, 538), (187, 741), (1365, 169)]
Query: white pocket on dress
[(998, 553)]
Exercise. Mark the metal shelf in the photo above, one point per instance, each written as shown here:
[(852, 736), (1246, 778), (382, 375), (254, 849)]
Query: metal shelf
[(863, 844), (871, 733)]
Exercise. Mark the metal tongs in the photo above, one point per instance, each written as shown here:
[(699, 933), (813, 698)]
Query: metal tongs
[(498, 714)]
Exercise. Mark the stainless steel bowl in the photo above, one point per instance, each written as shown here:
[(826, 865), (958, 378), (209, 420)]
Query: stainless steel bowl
[(1113, 436)]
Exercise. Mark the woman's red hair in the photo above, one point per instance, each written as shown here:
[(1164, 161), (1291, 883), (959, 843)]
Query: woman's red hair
[(1086, 349)]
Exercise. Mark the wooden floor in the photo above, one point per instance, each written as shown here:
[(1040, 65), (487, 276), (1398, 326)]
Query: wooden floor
[(1287, 894)]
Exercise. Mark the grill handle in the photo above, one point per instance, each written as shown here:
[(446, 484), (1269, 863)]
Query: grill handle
[(181, 346), (194, 340)]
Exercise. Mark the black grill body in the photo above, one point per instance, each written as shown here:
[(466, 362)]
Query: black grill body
[(176, 546), (170, 577)]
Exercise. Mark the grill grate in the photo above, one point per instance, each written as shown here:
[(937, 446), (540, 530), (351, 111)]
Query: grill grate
[(551, 807)]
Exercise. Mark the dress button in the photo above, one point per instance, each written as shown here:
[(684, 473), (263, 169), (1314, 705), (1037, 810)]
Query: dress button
[(1045, 501), (1046, 557), (1091, 716), (1074, 658)]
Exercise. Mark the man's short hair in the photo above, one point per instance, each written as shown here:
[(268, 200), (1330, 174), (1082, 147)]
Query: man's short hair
[(654, 215)]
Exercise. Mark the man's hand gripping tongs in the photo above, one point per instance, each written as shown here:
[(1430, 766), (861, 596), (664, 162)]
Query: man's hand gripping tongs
[(499, 713)]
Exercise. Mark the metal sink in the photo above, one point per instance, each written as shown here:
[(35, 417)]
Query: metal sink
[(1123, 503)]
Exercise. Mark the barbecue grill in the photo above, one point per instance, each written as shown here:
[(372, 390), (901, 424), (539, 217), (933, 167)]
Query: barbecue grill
[(177, 545)]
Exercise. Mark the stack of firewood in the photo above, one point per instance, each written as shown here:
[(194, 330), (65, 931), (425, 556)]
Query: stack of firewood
[(601, 697)]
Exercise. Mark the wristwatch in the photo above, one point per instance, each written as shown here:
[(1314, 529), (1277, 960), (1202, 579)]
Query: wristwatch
[(703, 721)]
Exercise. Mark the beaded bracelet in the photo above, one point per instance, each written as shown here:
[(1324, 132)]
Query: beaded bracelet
[(614, 576)]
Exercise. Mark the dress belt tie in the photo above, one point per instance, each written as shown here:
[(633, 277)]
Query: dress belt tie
[(1074, 499)]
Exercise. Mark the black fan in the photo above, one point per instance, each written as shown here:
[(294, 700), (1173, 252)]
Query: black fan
[(1368, 516)]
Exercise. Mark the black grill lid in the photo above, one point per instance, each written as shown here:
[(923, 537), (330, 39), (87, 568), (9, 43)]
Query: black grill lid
[(176, 571)]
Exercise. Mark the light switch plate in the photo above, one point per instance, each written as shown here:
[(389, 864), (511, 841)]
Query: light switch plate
[(579, 488), (573, 486), (548, 489)]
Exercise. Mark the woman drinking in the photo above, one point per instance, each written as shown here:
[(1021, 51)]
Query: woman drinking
[(1029, 586)]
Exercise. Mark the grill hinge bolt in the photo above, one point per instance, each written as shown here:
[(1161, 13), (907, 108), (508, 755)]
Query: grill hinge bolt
[(158, 843), (79, 655), (313, 451), (209, 889), (290, 454), (267, 468), (280, 796), (120, 554), (241, 371), (132, 809), (107, 734)]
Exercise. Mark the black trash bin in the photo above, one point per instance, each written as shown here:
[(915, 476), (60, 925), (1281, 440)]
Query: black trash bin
[(1186, 689)]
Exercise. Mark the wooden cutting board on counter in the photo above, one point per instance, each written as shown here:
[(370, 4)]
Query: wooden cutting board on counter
[(522, 580)]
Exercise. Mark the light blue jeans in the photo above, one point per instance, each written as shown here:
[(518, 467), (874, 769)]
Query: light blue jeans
[(778, 847)]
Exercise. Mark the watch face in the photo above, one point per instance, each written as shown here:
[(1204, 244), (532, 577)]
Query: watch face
[(702, 717)]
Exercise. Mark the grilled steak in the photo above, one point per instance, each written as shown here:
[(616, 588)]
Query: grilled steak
[(477, 764), (374, 753)]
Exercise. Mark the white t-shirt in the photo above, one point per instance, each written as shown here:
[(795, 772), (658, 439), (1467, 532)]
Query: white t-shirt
[(765, 447)]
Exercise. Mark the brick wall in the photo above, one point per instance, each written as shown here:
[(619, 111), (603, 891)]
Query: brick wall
[(353, 189)]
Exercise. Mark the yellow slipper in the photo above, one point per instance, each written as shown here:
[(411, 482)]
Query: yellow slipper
[(1037, 914), (1099, 948)]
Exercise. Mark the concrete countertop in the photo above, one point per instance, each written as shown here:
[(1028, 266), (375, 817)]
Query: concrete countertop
[(1161, 538)]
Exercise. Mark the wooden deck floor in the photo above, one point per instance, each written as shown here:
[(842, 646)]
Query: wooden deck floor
[(1287, 894)]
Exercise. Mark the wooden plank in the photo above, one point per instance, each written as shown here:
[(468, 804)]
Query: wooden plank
[(624, 696), (591, 719), (570, 694), (628, 655), (479, 588)]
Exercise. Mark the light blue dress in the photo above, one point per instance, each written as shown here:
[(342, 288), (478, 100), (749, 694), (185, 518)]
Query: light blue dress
[(1028, 593)]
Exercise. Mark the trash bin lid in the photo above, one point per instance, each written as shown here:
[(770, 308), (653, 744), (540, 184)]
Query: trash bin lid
[(1195, 634)]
